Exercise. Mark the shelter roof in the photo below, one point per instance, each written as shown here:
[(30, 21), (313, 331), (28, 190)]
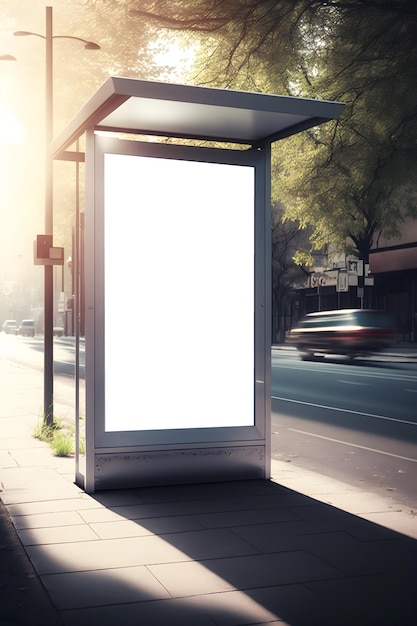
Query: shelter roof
[(129, 105)]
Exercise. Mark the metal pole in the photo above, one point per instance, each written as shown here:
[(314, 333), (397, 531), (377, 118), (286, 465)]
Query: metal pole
[(76, 314), (48, 283)]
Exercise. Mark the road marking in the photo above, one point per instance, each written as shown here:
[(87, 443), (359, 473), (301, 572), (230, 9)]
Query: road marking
[(411, 390), (350, 382), (354, 445), (349, 370), (335, 408)]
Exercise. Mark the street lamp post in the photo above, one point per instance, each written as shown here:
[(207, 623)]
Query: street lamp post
[(48, 277)]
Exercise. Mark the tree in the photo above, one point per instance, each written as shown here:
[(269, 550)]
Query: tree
[(286, 239), (358, 170), (351, 181)]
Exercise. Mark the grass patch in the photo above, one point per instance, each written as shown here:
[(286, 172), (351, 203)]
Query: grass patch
[(59, 435), (45, 432), (62, 443)]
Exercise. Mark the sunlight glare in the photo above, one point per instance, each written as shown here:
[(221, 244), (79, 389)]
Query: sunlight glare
[(174, 57), (11, 130)]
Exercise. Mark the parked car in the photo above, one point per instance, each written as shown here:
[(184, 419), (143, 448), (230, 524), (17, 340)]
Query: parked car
[(351, 332), (9, 327), (27, 328)]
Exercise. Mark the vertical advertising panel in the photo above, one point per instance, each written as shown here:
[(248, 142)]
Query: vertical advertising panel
[(179, 245)]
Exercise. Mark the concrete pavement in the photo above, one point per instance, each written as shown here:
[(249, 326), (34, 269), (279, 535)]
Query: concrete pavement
[(300, 549)]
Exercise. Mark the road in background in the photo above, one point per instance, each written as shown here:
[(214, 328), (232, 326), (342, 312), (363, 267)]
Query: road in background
[(29, 351), (356, 422)]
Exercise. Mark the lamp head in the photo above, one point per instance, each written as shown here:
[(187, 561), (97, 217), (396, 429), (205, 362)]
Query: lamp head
[(90, 45)]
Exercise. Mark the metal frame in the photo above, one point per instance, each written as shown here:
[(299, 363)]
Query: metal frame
[(163, 451)]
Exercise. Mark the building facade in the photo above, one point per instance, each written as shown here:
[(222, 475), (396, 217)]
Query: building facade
[(388, 282)]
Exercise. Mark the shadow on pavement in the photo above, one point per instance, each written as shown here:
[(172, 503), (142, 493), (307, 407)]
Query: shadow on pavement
[(249, 552), (23, 599)]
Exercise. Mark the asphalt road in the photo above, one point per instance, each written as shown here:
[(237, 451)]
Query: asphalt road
[(29, 351), (353, 422)]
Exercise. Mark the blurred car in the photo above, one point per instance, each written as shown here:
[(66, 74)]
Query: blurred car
[(10, 327), (350, 332), (27, 328)]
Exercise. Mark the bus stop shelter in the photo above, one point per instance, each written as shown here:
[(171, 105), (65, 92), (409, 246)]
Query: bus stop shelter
[(176, 263)]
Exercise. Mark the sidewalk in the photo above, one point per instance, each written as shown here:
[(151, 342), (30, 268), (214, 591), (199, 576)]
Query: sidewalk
[(227, 554)]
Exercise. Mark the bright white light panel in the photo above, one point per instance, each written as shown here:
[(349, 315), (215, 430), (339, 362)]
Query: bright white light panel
[(179, 294)]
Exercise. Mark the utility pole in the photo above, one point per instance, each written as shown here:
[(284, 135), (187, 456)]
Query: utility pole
[(48, 280)]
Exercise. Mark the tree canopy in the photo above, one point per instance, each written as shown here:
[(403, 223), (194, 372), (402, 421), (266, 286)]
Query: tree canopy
[(351, 180)]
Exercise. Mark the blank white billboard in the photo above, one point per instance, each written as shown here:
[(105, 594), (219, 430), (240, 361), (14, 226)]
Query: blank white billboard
[(179, 294)]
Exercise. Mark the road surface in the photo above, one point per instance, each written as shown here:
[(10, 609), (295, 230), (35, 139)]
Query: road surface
[(353, 422)]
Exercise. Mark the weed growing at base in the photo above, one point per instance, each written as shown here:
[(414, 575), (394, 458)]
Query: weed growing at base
[(59, 435)]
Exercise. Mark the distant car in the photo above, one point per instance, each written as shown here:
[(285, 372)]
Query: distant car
[(27, 328), (350, 332), (9, 327)]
